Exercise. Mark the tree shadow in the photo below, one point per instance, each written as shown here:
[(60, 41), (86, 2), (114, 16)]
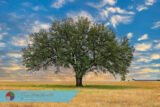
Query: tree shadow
[(109, 87), (56, 86), (85, 87)]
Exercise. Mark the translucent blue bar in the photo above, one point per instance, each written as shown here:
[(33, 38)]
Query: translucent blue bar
[(37, 95)]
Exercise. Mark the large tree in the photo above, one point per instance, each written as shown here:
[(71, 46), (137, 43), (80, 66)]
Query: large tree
[(82, 44)]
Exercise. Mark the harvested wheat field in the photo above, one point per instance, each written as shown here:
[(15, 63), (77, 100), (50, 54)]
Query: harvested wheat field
[(94, 94)]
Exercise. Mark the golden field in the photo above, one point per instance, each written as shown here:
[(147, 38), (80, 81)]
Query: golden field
[(94, 94)]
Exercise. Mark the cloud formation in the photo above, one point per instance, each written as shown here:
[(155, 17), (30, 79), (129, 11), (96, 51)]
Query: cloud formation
[(156, 25), (103, 3), (141, 8), (59, 3), (13, 68), (82, 13), (143, 37), (2, 44), (157, 46), (148, 70), (129, 35), (143, 59), (2, 34), (15, 54), (116, 15), (146, 5), (115, 10), (38, 8), (19, 41), (143, 46), (155, 56), (117, 19), (37, 26)]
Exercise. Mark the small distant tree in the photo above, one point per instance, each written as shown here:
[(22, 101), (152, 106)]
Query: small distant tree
[(82, 44)]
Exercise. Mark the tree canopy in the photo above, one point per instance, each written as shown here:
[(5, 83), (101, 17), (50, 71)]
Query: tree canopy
[(82, 44)]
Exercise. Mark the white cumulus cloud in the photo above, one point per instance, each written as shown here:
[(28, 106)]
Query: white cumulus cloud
[(82, 13), (103, 3), (116, 15), (15, 55), (141, 8), (38, 8), (37, 26), (143, 37), (114, 10), (144, 59), (117, 19), (156, 25), (148, 70), (149, 2), (2, 44), (155, 56), (60, 3), (19, 41), (146, 5), (129, 35), (157, 46), (2, 35), (143, 46)]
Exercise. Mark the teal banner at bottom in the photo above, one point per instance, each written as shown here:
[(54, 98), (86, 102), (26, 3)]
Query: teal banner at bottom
[(37, 95)]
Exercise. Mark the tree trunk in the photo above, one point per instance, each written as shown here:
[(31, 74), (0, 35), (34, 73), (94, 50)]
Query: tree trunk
[(79, 82)]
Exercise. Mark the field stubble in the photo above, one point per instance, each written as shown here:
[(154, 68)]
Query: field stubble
[(94, 94)]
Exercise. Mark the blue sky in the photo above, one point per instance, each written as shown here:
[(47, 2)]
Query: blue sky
[(139, 20)]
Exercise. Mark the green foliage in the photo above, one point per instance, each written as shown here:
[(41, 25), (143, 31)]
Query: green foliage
[(82, 44)]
